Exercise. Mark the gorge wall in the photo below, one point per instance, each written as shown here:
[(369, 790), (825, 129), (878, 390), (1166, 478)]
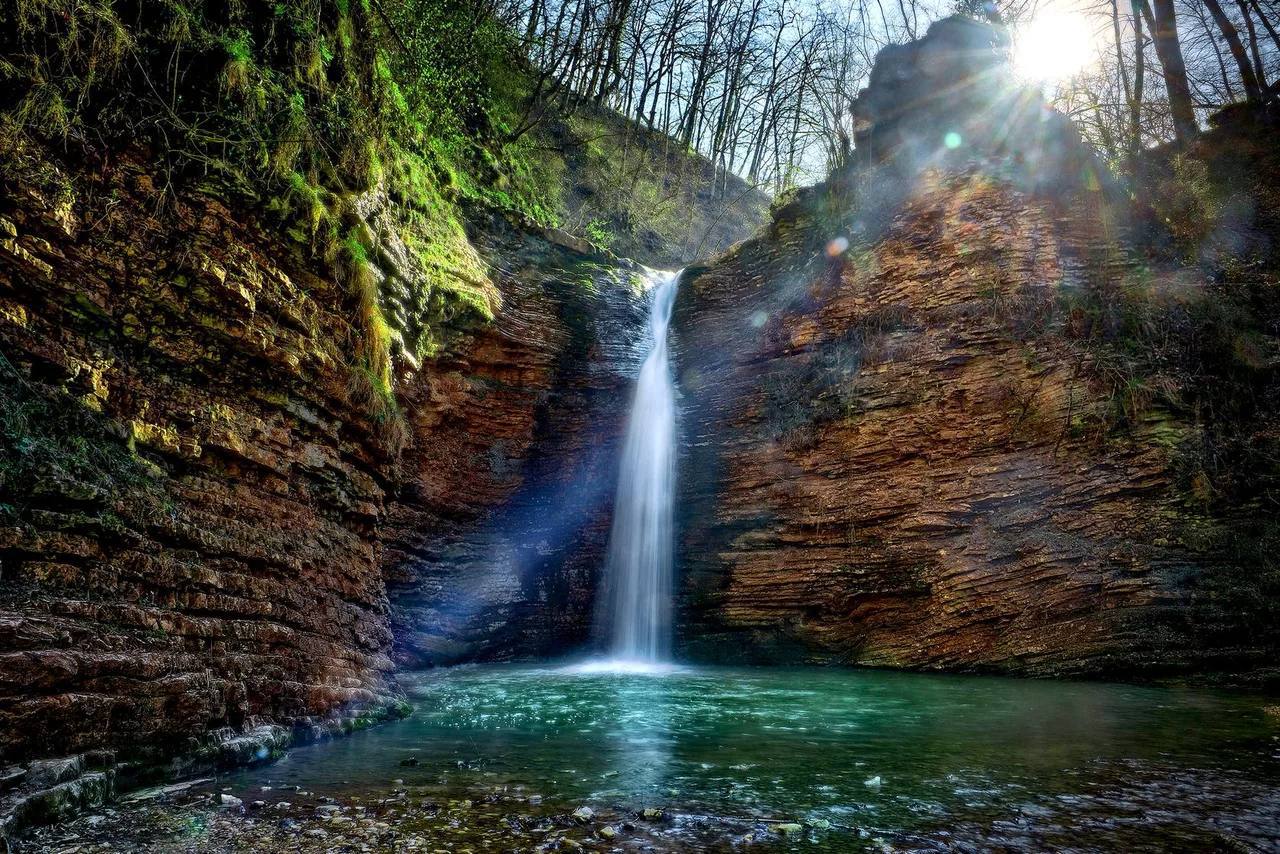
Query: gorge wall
[(176, 413), (910, 441), (497, 535), (202, 516)]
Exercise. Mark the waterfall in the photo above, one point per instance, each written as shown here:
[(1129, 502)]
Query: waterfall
[(638, 568)]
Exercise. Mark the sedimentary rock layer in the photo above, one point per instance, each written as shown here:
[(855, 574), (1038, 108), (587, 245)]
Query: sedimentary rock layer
[(891, 458), (227, 570), (201, 512), (901, 449), (495, 541)]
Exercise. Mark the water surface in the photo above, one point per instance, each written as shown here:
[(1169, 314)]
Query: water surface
[(861, 758)]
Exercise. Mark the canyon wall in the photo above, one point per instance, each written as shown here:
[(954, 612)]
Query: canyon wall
[(202, 515), (497, 535), (176, 415), (904, 447)]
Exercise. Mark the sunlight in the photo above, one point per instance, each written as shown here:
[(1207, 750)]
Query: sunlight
[(1053, 47)]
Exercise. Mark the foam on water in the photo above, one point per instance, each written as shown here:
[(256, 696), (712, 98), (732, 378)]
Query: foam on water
[(626, 666)]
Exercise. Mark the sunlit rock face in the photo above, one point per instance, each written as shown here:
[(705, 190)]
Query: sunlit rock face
[(897, 450), (227, 571)]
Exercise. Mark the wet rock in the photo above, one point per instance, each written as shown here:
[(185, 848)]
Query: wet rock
[(156, 792), (582, 815), (11, 776), (229, 802), (50, 772)]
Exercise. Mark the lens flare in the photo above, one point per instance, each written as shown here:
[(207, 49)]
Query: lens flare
[(1053, 47)]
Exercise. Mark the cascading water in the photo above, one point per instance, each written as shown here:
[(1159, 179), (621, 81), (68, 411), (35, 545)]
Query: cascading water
[(639, 564)]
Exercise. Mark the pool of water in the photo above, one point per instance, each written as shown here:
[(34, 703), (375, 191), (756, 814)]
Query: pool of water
[(861, 758)]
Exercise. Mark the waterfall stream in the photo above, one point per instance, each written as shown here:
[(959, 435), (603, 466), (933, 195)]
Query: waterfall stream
[(638, 567)]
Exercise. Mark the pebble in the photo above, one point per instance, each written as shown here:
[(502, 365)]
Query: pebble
[(584, 814), (229, 802)]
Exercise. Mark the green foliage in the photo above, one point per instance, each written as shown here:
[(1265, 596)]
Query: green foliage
[(299, 108), (598, 233), (634, 190)]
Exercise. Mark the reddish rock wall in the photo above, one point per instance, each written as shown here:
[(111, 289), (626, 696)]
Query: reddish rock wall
[(902, 449), (225, 572), (199, 520), (497, 536), (893, 458)]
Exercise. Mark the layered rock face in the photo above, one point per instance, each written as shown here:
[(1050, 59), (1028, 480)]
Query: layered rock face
[(190, 494), (896, 452), (494, 544), (201, 516)]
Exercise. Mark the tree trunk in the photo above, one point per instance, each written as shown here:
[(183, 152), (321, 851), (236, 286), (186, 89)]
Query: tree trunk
[(1139, 81), (1169, 51), (1266, 22), (1259, 69), (1252, 92)]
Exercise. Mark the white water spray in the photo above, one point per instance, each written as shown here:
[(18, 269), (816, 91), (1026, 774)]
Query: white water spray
[(638, 566)]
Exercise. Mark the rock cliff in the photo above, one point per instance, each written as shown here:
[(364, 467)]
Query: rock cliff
[(496, 537), (176, 412), (905, 444), (202, 515)]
